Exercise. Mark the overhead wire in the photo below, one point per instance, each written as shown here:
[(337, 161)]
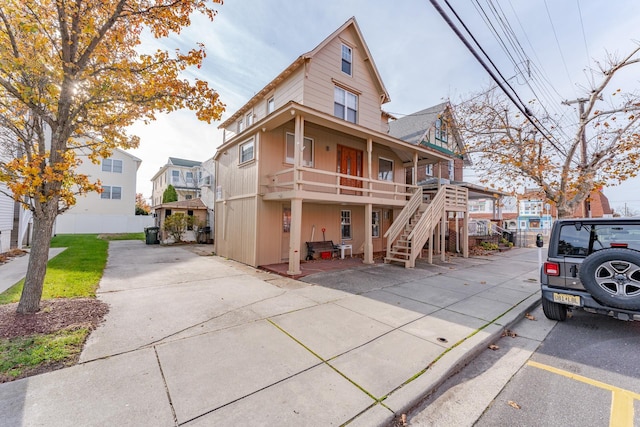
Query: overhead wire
[(511, 95)]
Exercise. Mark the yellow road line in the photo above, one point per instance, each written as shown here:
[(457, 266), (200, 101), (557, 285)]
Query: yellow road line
[(622, 411)]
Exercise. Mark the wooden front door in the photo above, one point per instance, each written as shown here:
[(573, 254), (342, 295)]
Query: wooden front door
[(350, 163)]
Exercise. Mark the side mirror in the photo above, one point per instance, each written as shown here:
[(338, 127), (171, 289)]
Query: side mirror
[(539, 242)]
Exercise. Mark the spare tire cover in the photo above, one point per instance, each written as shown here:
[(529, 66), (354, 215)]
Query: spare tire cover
[(612, 276)]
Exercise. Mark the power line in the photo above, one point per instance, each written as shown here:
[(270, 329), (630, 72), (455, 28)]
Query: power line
[(520, 106)]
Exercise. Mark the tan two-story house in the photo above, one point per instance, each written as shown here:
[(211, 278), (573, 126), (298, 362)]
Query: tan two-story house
[(309, 158)]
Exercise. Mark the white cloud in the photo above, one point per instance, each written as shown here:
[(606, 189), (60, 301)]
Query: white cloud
[(420, 59)]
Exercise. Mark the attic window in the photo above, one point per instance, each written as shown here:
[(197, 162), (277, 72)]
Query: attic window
[(346, 60), (441, 130)]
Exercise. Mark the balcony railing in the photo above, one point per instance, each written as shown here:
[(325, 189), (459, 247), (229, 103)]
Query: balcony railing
[(307, 179)]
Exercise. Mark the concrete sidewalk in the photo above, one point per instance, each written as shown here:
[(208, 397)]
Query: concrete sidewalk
[(200, 340), (15, 270)]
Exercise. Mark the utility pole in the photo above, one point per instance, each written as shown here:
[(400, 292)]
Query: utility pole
[(583, 140)]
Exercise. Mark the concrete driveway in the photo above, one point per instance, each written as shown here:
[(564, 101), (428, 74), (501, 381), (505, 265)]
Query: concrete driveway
[(192, 339)]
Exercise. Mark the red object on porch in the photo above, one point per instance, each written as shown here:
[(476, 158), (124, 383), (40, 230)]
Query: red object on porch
[(325, 255)]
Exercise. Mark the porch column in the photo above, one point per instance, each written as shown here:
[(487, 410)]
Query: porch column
[(294, 237), (368, 238), (443, 229), (414, 174), (297, 151), (465, 235), (369, 171)]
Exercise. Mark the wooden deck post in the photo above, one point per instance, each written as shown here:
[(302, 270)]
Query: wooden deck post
[(294, 238), (368, 239)]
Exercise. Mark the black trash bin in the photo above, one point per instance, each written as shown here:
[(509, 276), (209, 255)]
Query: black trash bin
[(203, 234), (151, 235)]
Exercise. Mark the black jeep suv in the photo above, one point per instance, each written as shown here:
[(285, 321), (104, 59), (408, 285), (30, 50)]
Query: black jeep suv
[(593, 264)]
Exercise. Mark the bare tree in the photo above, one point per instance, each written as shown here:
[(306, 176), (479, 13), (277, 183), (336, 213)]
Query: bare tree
[(512, 151)]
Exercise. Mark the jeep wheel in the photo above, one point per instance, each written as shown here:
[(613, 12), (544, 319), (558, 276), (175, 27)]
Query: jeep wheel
[(612, 276), (554, 311)]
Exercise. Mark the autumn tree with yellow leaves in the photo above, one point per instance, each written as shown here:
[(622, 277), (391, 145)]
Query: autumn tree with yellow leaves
[(511, 152), (73, 77)]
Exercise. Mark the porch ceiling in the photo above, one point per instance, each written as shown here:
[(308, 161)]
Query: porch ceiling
[(402, 149)]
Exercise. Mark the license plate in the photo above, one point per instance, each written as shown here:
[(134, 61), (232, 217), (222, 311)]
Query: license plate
[(566, 299)]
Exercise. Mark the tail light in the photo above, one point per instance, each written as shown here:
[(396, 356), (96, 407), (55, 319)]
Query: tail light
[(551, 268), (619, 245)]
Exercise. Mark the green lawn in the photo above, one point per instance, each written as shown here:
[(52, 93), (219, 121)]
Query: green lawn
[(75, 272), (20, 355)]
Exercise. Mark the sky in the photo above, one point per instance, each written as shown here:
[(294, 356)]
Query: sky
[(420, 59)]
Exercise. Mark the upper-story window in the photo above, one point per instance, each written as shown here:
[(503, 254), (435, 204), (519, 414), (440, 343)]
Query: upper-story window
[(346, 60), (248, 119), (385, 169), (109, 192), (345, 105), (428, 170), (271, 105), (307, 150), (246, 151), (441, 130), (112, 165), (240, 125), (189, 177), (175, 176)]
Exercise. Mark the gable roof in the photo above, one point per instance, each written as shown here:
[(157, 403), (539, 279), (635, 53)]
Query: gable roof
[(183, 204), (183, 162), (415, 127), (306, 57)]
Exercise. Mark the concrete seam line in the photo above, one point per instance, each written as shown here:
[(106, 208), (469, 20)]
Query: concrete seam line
[(325, 362), (166, 386)]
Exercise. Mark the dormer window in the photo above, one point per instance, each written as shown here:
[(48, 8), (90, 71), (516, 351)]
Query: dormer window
[(346, 60), (249, 119)]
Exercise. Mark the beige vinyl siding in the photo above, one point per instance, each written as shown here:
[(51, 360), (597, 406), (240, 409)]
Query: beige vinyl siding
[(236, 208), (325, 67), (270, 242), (236, 230)]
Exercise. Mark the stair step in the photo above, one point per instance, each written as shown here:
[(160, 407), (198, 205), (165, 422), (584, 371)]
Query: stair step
[(401, 255)]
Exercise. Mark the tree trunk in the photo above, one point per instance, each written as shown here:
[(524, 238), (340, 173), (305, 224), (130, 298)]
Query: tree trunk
[(38, 257)]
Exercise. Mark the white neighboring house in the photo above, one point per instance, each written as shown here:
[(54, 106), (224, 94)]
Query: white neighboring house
[(113, 211), (183, 174), (207, 189), (15, 222)]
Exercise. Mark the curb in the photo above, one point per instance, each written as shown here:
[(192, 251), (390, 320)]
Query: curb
[(403, 400)]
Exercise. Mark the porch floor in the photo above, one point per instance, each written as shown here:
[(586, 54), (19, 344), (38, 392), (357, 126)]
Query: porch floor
[(321, 265)]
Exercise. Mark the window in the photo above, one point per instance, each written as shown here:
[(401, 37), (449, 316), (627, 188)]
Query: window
[(428, 170), (188, 197), (345, 225), (345, 105), (246, 152), (271, 105), (175, 176), (307, 151), (385, 169), (248, 119), (240, 125), (167, 213), (189, 177), (451, 175), (375, 224), (109, 192), (112, 165), (441, 130), (346, 60)]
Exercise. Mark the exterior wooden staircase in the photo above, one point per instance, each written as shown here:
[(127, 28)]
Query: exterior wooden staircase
[(415, 225)]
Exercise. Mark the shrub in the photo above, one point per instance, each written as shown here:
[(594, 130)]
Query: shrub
[(176, 225)]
